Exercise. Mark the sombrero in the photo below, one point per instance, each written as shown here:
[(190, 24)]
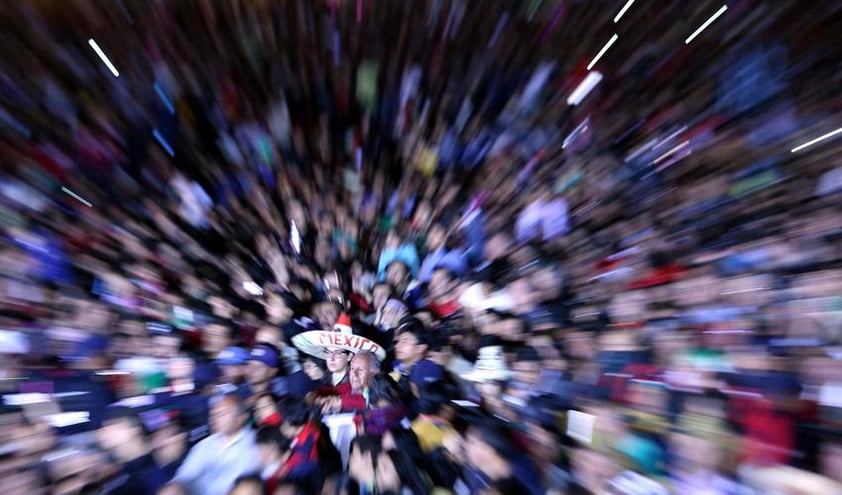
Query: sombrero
[(342, 336), (490, 366)]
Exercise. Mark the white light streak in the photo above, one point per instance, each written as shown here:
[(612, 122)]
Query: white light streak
[(584, 88), (61, 420), (623, 11), (582, 127), (602, 52), (77, 197), (814, 141), (670, 152), (25, 399), (103, 57), (163, 142), (163, 96), (670, 138), (706, 24)]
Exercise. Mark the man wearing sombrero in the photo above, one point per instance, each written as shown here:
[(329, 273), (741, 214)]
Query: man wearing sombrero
[(337, 347)]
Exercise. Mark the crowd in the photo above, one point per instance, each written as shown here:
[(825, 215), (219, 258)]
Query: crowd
[(373, 247)]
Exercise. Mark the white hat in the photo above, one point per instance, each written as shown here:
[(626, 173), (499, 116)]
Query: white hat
[(315, 342), (490, 366), (12, 342)]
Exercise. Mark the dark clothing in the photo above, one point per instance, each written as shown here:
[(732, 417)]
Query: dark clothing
[(297, 385), (140, 476)]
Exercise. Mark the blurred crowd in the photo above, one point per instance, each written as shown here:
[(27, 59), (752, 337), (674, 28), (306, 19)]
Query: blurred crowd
[(399, 247)]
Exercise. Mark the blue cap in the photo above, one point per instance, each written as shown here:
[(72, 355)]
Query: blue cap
[(425, 371), (264, 354), (232, 356)]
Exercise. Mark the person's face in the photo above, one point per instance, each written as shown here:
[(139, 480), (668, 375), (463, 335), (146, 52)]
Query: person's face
[(441, 284), (545, 448), (489, 390), (257, 372), (435, 239), (225, 418), (527, 372), (407, 348), (326, 314), (360, 372), (234, 373), (215, 338), (248, 488), (337, 360), (831, 461), (478, 453), (381, 295), (270, 335), (180, 368), (360, 466), (521, 292), (114, 434), (312, 370), (396, 273), (277, 310), (165, 346), (386, 474), (392, 316), (263, 408)]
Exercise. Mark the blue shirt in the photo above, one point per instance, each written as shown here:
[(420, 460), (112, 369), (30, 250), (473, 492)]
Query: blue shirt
[(213, 465)]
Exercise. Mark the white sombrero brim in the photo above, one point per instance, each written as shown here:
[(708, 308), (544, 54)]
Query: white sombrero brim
[(315, 342), (487, 375)]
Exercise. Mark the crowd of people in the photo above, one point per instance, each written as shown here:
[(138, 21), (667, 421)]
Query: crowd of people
[(363, 247)]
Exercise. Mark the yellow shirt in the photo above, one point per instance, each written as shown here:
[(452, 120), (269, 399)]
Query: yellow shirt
[(431, 433)]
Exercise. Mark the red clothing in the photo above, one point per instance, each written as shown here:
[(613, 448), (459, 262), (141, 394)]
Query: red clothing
[(443, 310), (350, 400)]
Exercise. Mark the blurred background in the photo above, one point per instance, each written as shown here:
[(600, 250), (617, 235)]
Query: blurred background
[(593, 246)]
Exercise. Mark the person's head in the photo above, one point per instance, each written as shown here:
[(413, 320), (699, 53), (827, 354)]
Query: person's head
[(262, 364), (270, 445), (434, 398), (227, 415), (397, 273), (830, 458), (248, 485), (181, 368), (497, 246), (365, 450), (325, 313), (270, 334), (411, 345), (165, 345), (544, 442), (313, 367), (232, 364), (393, 311), (488, 447), (363, 366), (217, 336), (123, 435), (442, 285), (527, 366), (266, 410), (337, 360), (382, 391), (381, 293), (295, 414), (277, 309), (436, 237)]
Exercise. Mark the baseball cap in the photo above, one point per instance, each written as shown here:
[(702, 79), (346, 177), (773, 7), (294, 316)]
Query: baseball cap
[(264, 354), (232, 356), (426, 371)]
